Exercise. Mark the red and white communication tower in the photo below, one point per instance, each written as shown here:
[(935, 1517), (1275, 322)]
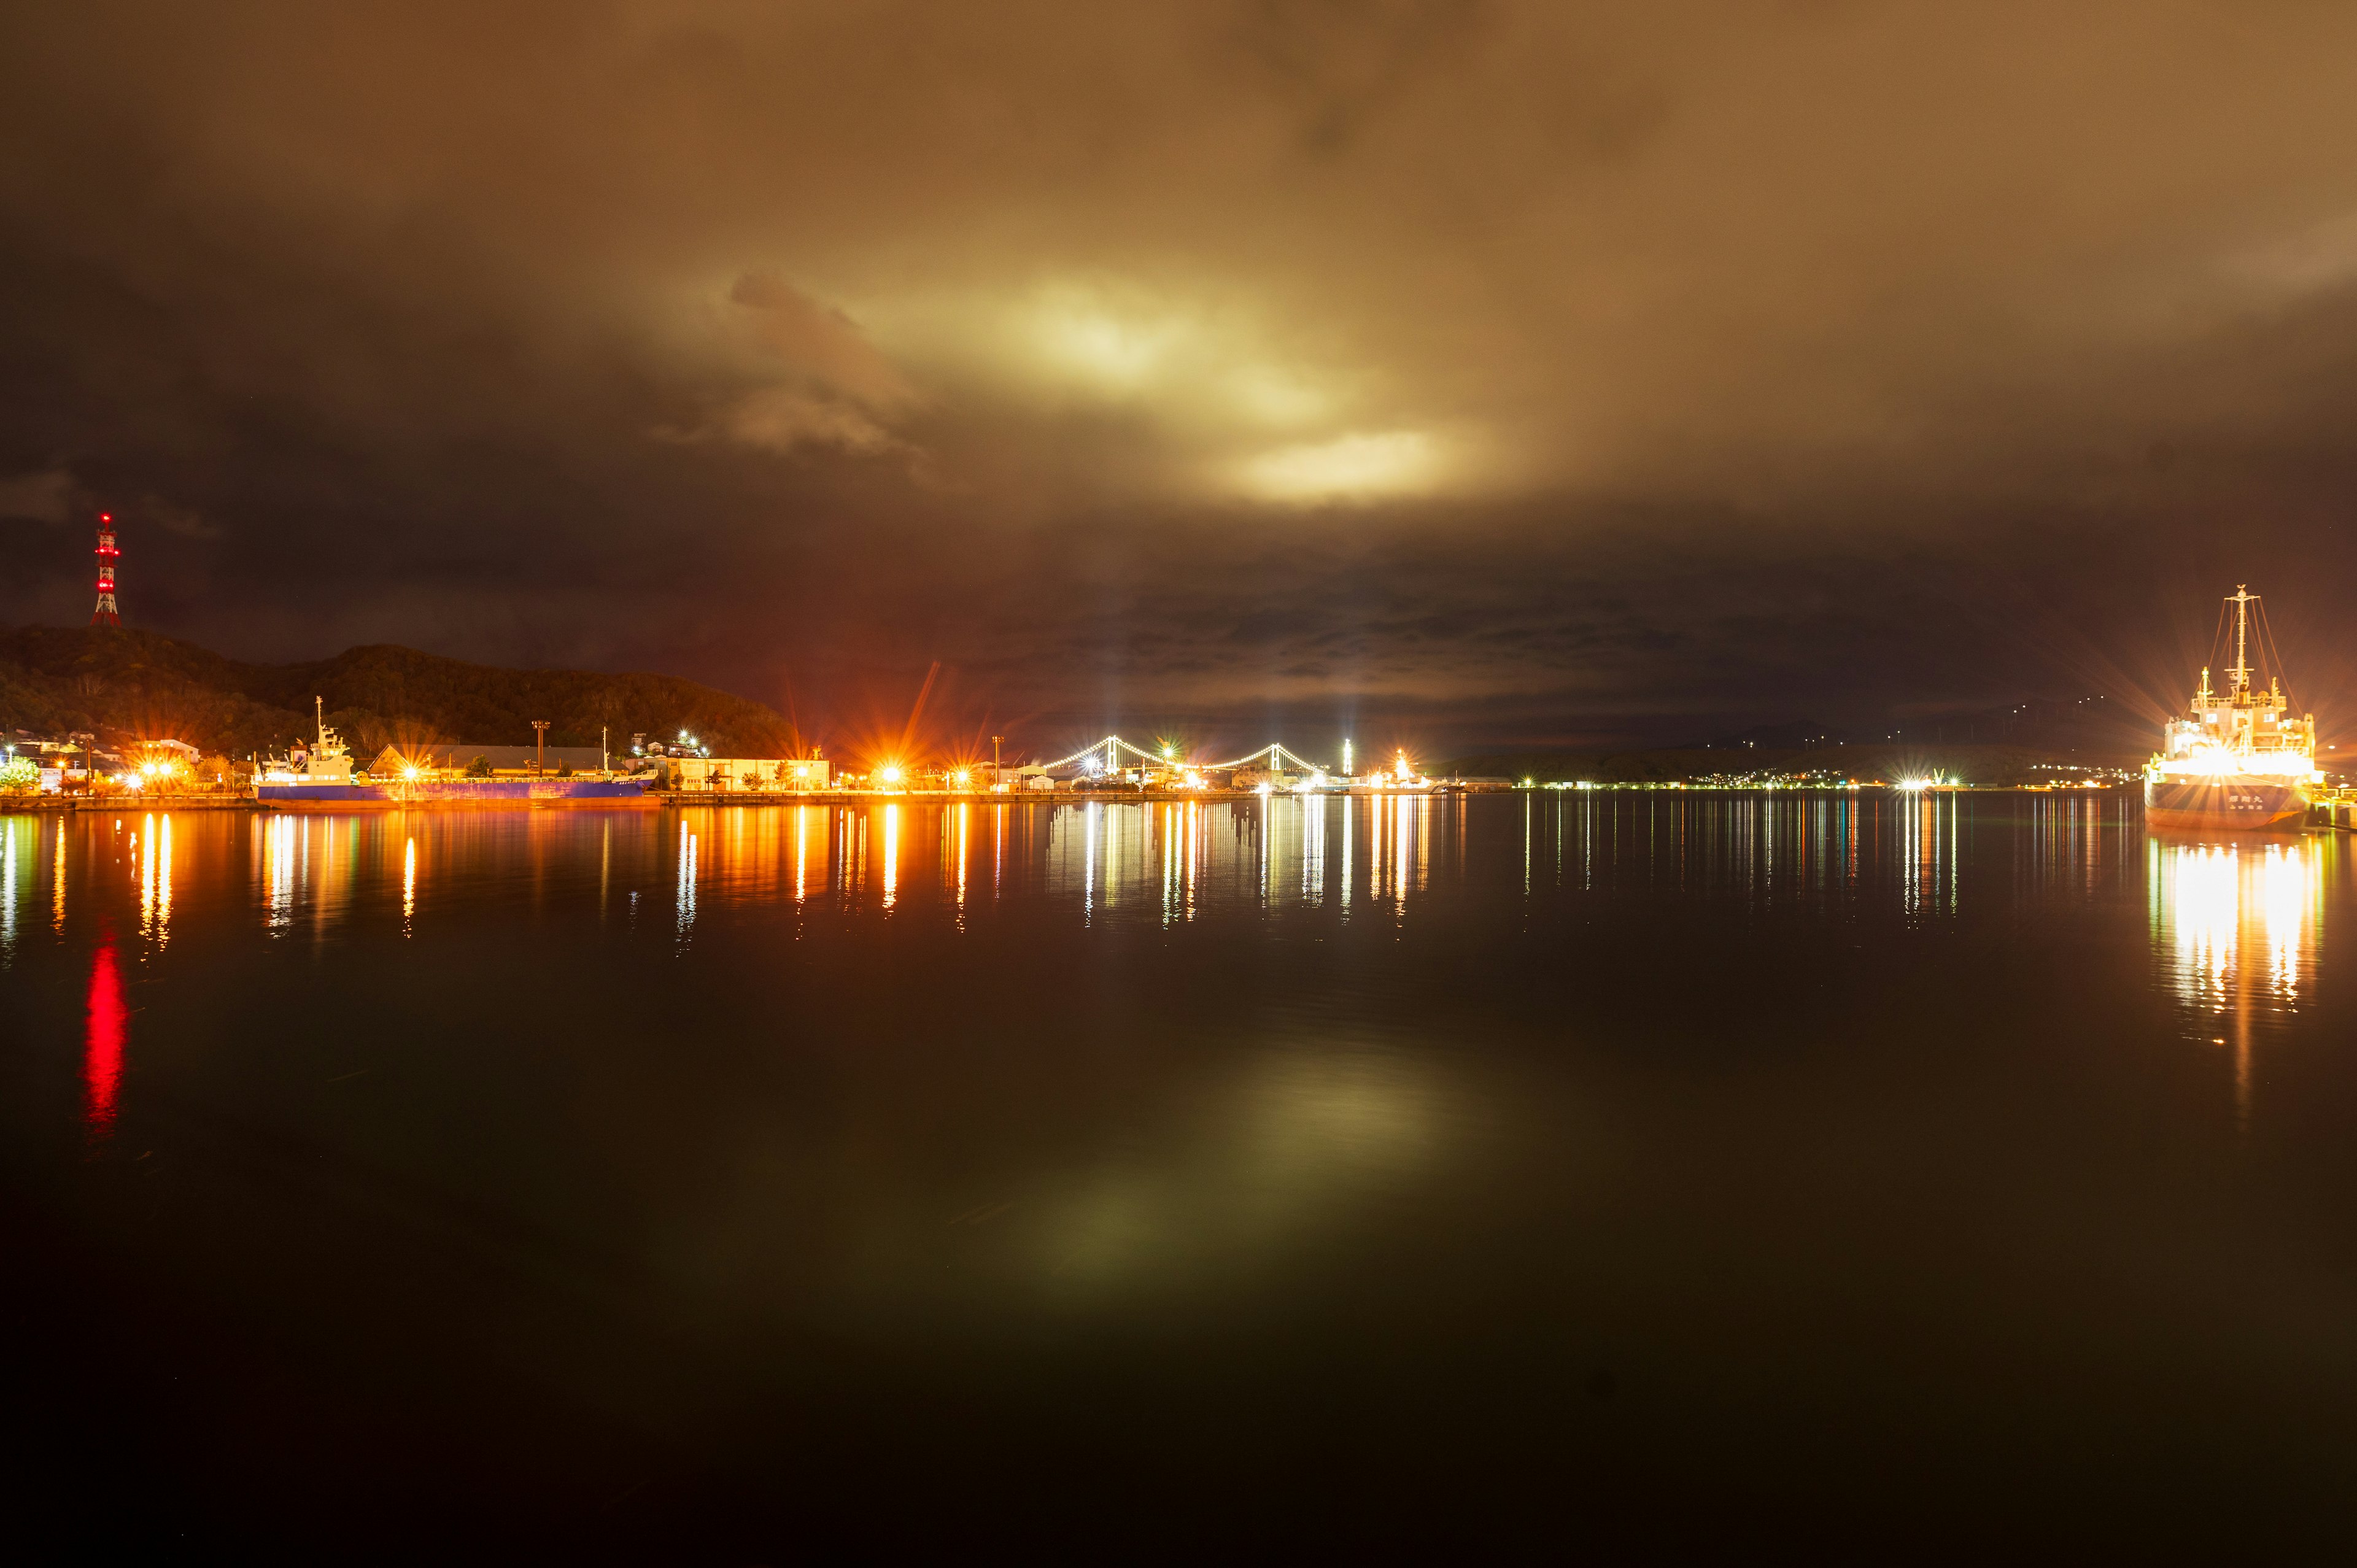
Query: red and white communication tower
[(106, 614)]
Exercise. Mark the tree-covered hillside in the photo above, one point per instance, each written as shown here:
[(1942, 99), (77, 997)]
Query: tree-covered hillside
[(126, 686)]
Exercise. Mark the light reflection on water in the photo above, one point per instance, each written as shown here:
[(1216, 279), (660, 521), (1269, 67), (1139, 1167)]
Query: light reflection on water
[(1117, 862), (2235, 925), (1172, 862), (1647, 1085), (156, 880), (109, 1020), (19, 852)]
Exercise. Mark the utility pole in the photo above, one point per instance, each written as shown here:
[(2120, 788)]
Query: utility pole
[(539, 747), (997, 782), (604, 762)]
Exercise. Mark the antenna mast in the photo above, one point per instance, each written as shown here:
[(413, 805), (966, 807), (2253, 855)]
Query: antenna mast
[(106, 614), (2241, 671)]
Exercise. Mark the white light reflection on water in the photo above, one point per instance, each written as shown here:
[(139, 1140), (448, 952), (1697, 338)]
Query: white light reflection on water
[(1393, 855), (1313, 850), (1398, 848), (1194, 851), (275, 844), (1928, 854), (1170, 863), (1349, 811), (684, 896), (1090, 813), (2234, 925), (1264, 843), (1170, 871), (11, 830)]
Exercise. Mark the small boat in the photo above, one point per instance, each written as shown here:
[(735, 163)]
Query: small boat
[(2238, 761)]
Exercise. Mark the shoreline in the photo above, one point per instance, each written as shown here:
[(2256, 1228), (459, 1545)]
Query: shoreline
[(681, 799)]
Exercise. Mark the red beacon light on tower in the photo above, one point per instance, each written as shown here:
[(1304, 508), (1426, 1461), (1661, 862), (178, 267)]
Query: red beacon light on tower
[(106, 614)]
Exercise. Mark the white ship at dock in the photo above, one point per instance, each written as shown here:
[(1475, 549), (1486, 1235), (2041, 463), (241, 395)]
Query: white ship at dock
[(2238, 760)]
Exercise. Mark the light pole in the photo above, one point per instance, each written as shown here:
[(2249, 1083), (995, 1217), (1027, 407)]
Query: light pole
[(539, 747), (997, 783)]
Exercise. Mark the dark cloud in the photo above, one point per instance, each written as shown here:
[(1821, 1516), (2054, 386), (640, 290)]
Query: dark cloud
[(44, 496), (1495, 371)]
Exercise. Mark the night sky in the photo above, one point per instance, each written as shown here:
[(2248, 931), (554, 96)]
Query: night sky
[(1448, 373)]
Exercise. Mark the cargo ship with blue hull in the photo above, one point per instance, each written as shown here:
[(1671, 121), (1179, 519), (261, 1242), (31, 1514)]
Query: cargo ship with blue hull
[(320, 778), (2239, 761)]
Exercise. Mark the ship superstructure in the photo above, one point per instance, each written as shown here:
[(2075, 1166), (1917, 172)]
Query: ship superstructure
[(2238, 759), (326, 763)]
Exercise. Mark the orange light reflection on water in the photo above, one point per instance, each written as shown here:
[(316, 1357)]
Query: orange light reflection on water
[(964, 816), (2235, 924)]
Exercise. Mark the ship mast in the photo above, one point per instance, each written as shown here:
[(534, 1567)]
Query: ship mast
[(2241, 671)]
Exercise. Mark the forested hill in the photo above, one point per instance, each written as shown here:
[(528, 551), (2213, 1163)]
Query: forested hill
[(124, 685)]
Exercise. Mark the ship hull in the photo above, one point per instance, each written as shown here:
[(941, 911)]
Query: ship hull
[(2230, 804), (456, 792)]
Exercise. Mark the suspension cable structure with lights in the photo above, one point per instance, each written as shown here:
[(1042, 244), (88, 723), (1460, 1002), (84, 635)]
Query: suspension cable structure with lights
[(1112, 746)]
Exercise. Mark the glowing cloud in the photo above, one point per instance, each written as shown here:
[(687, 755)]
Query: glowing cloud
[(1204, 366), (1398, 462), (1101, 347)]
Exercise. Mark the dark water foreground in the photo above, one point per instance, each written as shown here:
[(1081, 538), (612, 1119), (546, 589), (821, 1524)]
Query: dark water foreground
[(730, 1185)]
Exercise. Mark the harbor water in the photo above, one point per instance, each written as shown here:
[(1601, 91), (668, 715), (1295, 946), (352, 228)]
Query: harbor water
[(733, 1182)]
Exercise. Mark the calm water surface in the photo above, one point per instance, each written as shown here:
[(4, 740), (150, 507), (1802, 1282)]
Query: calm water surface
[(730, 1183)]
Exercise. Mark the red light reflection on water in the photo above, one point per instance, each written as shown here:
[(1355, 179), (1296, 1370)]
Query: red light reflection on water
[(109, 1021)]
